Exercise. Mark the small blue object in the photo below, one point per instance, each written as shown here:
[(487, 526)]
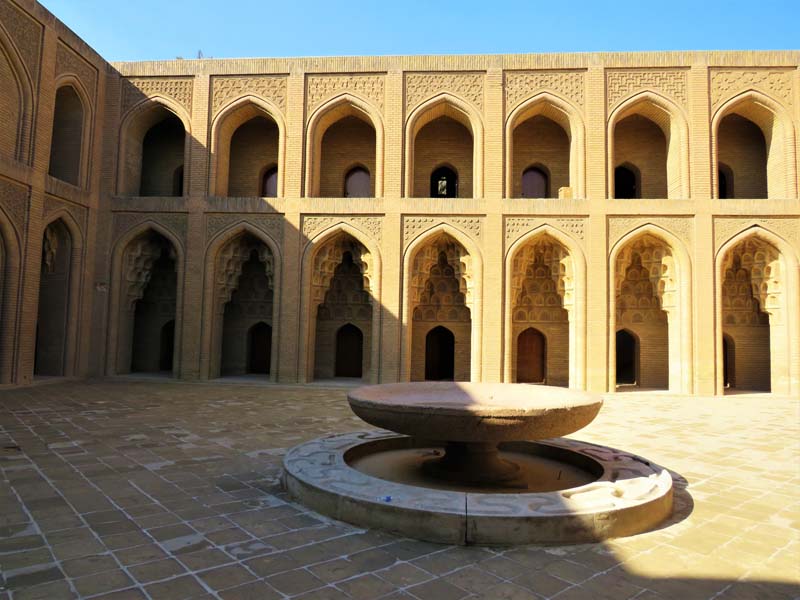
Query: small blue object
[(386, 498)]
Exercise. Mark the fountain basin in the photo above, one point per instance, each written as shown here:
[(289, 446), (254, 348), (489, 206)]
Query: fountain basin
[(627, 494)]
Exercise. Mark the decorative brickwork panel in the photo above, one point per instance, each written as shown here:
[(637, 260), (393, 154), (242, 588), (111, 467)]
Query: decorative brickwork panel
[(522, 85), (14, 201), (68, 62), (77, 212), (516, 227), (421, 86), (136, 90), (176, 223), (413, 226), (726, 84), (269, 87), (323, 87), (312, 226), (27, 36), (786, 227), (680, 227), (272, 225), (624, 83)]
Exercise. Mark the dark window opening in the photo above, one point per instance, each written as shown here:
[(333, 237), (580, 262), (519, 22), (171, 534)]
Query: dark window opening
[(349, 351), (444, 183), (626, 183), (357, 183), (269, 183), (167, 346), (627, 358), (177, 182), (440, 345), (259, 348), (535, 183), (728, 362), (725, 181)]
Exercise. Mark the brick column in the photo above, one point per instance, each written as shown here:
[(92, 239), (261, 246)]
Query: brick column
[(597, 268)]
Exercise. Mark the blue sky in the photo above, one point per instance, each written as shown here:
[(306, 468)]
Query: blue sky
[(128, 29)]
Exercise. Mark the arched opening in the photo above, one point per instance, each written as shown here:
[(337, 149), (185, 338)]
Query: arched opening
[(542, 296), (440, 349), (440, 296), (259, 349), (627, 355), (444, 183), (67, 140), (754, 136), (253, 148), (244, 306), (54, 292), (535, 183), (742, 147), (149, 296), (341, 296), (162, 155), (269, 183), (728, 362), (443, 139), (349, 351), (647, 306), (545, 144), (531, 357), (725, 181), (357, 183), (640, 141), (751, 301), (167, 347), (348, 140), (626, 182)]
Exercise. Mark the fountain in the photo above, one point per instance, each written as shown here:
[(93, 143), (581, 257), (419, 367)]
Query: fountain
[(478, 463)]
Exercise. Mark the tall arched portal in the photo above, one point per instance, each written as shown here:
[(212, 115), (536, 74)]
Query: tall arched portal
[(439, 299), (54, 301), (244, 306)]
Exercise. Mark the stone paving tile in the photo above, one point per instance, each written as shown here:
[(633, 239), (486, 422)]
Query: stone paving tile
[(129, 489)]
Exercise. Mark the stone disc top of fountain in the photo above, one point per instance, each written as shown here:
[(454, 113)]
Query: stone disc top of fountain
[(475, 412)]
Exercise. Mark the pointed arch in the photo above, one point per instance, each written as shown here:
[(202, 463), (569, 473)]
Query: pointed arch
[(211, 330), (451, 106), (87, 121), (472, 268), (134, 126), (775, 123), (673, 123), (565, 114), (576, 310), (779, 292), (71, 361), (118, 357), (25, 100), (225, 124), (676, 297), (10, 273), (372, 272), (326, 115)]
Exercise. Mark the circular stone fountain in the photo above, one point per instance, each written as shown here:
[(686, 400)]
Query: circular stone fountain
[(469, 471)]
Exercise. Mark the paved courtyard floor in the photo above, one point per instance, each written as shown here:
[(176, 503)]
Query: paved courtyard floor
[(143, 489)]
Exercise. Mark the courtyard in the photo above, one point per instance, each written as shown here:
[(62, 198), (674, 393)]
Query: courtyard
[(127, 488)]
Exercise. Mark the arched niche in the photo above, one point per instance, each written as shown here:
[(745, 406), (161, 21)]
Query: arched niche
[(650, 283), (651, 132), (16, 102), (458, 119), (423, 266), (248, 137), (152, 149), (754, 136), (524, 148), (341, 116), (71, 137), (564, 260)]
